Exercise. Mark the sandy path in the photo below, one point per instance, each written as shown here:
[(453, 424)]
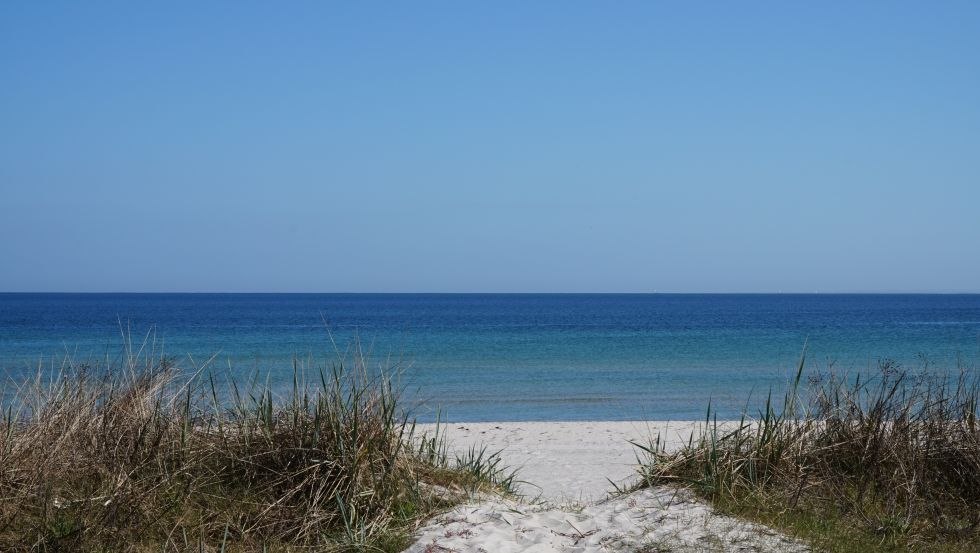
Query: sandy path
[(565, 508), (646, 521)]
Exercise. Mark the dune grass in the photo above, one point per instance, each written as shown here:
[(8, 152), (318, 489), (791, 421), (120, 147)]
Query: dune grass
[(143, 457), (886, 463)]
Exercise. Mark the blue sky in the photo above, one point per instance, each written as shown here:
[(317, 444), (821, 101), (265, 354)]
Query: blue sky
[(490, 146)]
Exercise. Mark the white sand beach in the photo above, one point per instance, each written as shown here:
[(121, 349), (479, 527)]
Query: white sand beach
[(567, 461), (565, 470)]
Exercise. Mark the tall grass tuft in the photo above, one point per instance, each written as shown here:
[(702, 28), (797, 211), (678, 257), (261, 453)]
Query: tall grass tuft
[(143, 457), (890, 461)]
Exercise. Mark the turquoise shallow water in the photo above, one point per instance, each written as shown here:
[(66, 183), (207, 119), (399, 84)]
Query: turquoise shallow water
[(520, 356)]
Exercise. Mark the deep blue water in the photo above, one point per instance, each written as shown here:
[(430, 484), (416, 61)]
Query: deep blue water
[(519, 356)]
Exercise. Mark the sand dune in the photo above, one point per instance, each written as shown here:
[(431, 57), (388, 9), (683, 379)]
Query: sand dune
[(567, 505)]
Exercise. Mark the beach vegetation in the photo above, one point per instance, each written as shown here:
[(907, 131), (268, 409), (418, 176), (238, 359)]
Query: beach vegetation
[(888, 461), (141, 456)]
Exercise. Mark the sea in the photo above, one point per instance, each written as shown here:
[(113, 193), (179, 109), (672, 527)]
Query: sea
[(512, 357)]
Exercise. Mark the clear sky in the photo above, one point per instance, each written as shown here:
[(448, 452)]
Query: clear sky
[(490, 146)]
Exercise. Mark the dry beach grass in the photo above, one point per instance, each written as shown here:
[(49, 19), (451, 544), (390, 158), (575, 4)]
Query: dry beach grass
[(134, 458), (887, 462)]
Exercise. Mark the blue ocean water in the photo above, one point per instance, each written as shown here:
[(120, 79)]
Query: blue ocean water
[(518, 356)]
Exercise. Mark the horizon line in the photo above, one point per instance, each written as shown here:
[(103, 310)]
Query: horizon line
[(580, 293)]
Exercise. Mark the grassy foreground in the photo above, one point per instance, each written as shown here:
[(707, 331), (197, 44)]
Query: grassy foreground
[(141, 458), (889, 463)]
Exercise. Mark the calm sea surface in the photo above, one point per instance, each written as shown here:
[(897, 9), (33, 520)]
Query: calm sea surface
[(518, 356)]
